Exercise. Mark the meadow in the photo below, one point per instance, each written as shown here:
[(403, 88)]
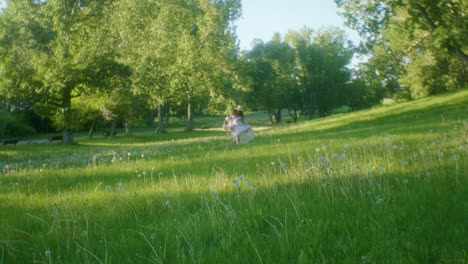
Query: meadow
[(385, 185)]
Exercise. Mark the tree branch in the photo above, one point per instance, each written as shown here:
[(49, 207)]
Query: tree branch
[(425, 15)]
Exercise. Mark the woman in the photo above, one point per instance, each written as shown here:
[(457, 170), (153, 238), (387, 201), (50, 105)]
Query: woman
[(240, 132)]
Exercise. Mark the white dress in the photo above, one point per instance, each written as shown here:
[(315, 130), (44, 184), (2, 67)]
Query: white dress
[(241, 132)]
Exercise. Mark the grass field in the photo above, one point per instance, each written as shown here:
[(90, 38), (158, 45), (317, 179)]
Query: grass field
[(386, 185)]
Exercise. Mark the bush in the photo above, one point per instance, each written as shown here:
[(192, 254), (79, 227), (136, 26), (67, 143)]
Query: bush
[(14, 125)]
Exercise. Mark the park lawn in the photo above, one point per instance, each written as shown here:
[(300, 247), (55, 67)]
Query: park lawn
[(386, 185)]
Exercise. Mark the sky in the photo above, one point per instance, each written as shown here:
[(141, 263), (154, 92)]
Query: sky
[(262, 18)]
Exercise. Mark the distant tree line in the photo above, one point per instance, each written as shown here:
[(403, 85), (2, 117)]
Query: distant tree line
[(79, 64)]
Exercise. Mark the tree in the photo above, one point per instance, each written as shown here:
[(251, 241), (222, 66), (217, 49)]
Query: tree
[(302, 42), (332, 54), (149, 33), (424, 39), (321, 60), (206, 51), (178, 58), (66, 51), (270, 75)]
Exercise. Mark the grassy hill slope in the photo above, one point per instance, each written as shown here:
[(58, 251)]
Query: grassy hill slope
[(374, 186)]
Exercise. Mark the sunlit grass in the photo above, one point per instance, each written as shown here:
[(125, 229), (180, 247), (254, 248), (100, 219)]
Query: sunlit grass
[(382, 185)]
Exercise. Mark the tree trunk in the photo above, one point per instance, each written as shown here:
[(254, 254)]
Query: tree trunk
[(91, 129), (461, 81), (189, 114), (67, 137), (277, 116), (112, 129), (160, 128), (166, 116), (293, 114), (127, 127), (151, 116), (311, 104), (270, 115)]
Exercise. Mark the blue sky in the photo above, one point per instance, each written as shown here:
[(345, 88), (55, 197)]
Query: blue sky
[(262, 18)]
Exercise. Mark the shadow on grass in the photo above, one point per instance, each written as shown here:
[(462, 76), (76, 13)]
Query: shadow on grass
[(338, 219)]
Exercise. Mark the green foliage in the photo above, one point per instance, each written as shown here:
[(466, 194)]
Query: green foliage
[(304, 73), (61, 50), (269, 73), (382, 185), (14, 125), (420, 44)]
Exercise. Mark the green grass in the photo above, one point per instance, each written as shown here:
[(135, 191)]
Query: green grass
[(386, 185)]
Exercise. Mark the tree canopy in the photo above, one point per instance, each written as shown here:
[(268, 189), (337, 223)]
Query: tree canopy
[(78, 62), (421, 44)]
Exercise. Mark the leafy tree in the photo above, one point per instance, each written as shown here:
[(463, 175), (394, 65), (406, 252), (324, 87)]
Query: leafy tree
[(148, 31), (14, 124), (332, 54), (206, 51), (66, 51), (321, 60), (178, 58), (420, 43), (271, 77), (302, 42)]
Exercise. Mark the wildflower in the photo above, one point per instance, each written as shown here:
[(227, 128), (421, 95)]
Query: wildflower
[(153, 236), (48, 252), (323, 160), (379, 199), (84, 233), (317, 149), (342, 157), (455, 157), (167, 204), (108, 188), (405, 181), (364, 259), (142, 156), (282, 165)]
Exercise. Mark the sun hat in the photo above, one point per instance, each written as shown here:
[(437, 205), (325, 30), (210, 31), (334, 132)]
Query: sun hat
[(239, 108)]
